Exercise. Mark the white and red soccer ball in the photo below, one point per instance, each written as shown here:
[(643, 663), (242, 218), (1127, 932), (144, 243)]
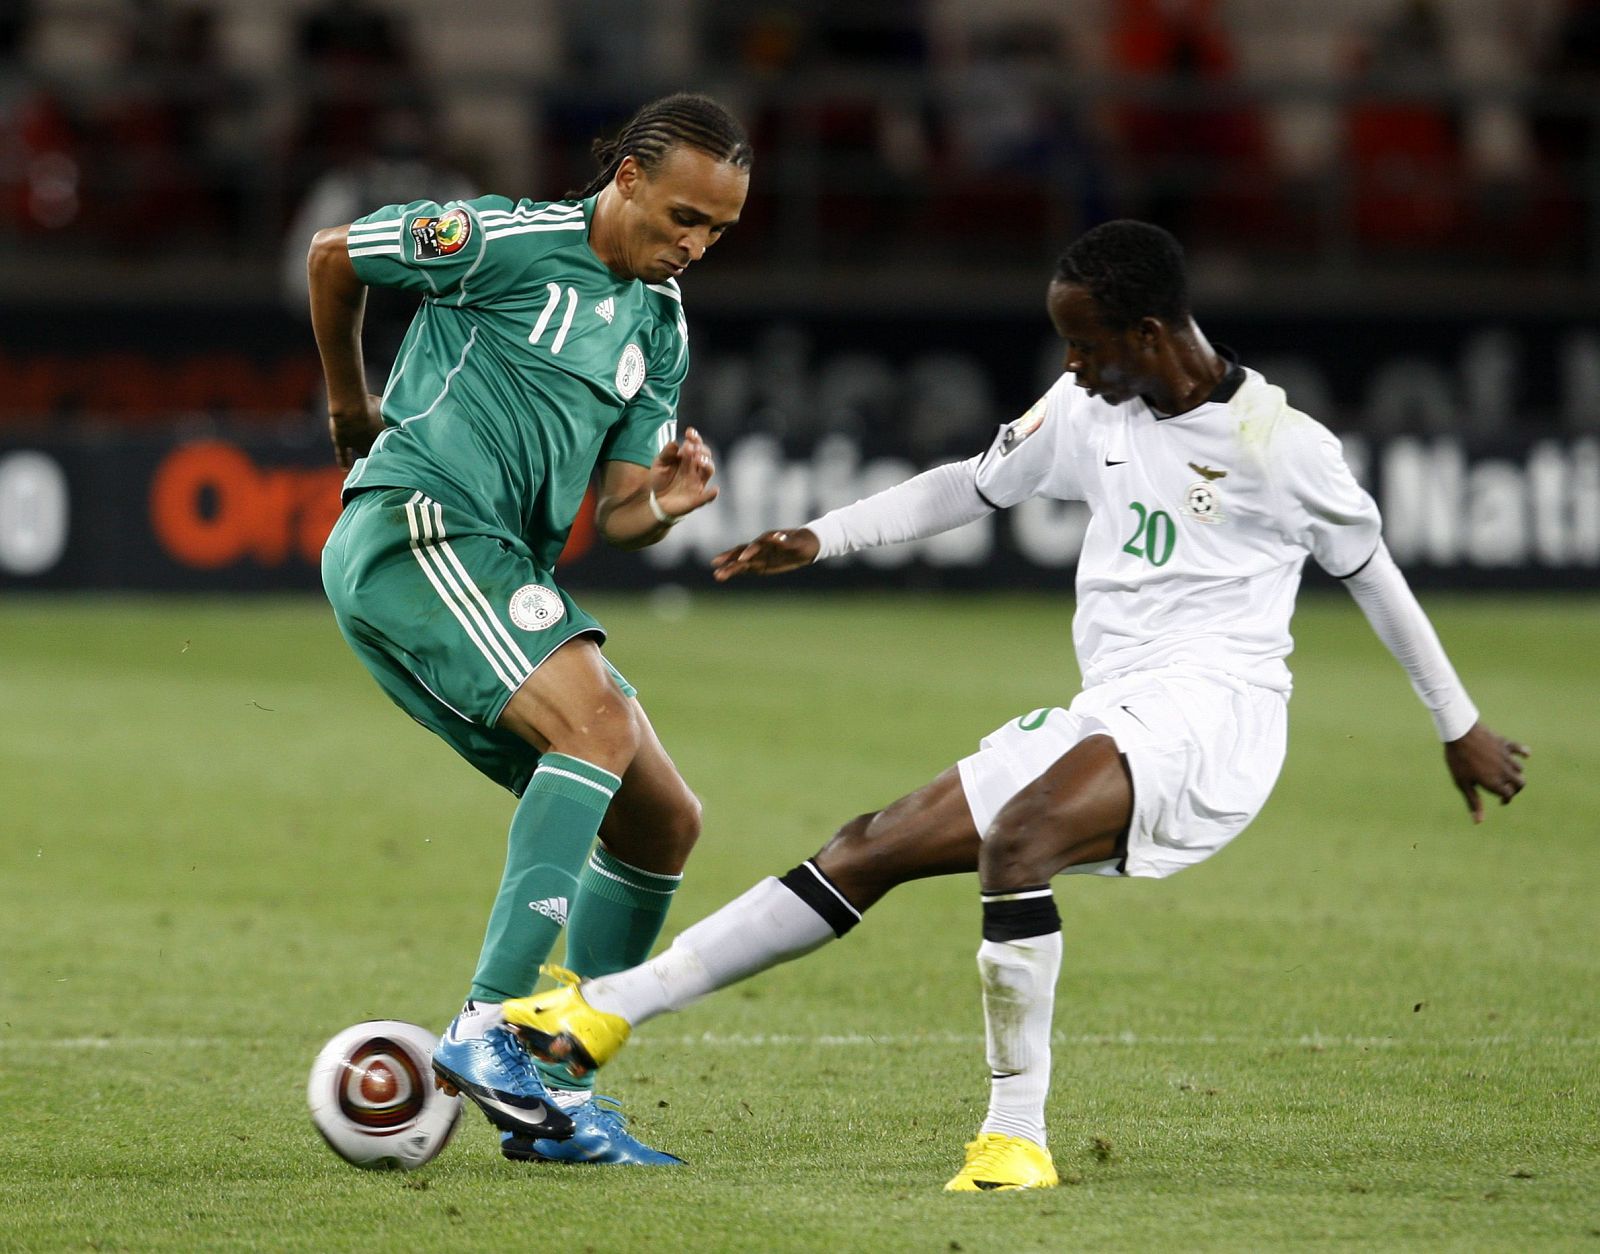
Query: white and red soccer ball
[(373, 1099)]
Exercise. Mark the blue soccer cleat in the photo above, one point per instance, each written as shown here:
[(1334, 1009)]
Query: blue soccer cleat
[(600, 1136), (498, 1074)]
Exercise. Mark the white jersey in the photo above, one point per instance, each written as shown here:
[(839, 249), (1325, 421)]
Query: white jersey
[(1200, 522)]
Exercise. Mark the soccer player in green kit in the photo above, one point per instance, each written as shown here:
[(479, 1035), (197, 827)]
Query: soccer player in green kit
[(548, 350)]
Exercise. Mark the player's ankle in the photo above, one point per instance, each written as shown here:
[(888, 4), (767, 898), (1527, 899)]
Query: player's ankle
[(477, 1017)]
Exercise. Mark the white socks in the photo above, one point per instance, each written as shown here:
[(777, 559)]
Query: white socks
[(1019, 995), (768, 925), (782, 919), (476, 1018)]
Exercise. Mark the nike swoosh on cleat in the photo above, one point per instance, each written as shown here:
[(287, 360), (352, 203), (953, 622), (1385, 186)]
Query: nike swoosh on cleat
[(530, 1104), (512, 1105), (534, 1115), (483, 1094)]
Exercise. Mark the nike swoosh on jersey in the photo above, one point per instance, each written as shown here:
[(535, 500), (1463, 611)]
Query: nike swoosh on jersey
[(1123, 462)]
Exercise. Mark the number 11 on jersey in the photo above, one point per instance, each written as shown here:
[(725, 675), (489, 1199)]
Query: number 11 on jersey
[(549, 311)]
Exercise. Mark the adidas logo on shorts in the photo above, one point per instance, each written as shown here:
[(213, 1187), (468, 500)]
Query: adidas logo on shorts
[(553, 908)]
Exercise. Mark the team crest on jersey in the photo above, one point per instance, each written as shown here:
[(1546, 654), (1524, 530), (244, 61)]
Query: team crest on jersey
[(535, 607), (432, 238), (1203, 503), (1018, 431), (630, 372)]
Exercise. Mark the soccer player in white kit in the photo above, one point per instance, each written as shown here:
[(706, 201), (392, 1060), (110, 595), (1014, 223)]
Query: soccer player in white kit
[(1207, 492)]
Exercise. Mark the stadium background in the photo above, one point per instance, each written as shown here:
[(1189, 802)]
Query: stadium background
[(1391, 207)]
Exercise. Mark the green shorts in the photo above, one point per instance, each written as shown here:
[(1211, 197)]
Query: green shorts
[(451, 615)]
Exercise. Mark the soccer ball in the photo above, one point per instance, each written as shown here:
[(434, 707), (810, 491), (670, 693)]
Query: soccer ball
[(372, 1096)]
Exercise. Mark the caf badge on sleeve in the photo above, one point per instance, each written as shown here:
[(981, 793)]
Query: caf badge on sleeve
[(432, 238)]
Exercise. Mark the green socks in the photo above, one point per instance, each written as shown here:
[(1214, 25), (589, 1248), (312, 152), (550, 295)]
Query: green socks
[(616, 910), (553, 828), (617, 916), (615, 920)]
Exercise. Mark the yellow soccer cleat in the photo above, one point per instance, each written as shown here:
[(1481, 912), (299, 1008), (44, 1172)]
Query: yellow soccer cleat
[(996, 1161), (560, 1026)]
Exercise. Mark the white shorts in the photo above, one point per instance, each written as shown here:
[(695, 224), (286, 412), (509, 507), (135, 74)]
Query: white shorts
[(1203, 748)]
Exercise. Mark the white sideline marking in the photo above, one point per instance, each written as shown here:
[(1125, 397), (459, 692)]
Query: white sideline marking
[(738, 1040), (119, 1042), (786, 1040)]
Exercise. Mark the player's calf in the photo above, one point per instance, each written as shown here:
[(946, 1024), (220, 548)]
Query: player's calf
[(930, 832)]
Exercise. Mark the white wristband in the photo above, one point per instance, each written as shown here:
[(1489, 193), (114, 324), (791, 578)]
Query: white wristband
[(661, 515)]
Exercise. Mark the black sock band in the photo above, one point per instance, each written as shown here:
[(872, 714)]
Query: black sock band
[(1020, 913), (814, 888)]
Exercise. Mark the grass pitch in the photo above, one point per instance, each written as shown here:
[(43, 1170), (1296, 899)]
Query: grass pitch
[(1366, 1024)]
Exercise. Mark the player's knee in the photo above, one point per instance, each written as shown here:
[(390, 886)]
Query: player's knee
[(1015, 852), (604, 731), (682, 828), (616, 727)]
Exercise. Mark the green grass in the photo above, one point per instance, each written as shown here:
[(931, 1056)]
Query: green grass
[(1367, 1024)]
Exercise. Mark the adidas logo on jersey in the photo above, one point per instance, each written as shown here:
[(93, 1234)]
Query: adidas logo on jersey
[(607, 309), (553, 908)]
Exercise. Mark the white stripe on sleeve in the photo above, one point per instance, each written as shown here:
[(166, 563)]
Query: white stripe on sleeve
[(530, 227)]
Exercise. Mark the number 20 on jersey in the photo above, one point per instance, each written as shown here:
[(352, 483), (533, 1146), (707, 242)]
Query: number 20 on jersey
[(1153, 536)]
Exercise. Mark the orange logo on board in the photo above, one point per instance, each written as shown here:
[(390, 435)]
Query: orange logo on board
[(212, 505)]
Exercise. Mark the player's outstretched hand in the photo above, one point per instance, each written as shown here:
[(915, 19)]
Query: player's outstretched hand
[(1484, 759), (770, 553), (681, 475), (354, 430)]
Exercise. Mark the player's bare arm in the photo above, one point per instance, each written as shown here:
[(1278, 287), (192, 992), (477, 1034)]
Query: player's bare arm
[(338, 302), (1484, 759), (770, 553), (638, 505)]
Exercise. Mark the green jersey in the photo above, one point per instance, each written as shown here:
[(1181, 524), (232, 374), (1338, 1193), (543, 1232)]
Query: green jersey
[(528, 363)]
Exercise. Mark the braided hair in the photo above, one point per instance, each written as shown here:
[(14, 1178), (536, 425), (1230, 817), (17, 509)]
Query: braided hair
[(1133, 270), (688, 119)]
